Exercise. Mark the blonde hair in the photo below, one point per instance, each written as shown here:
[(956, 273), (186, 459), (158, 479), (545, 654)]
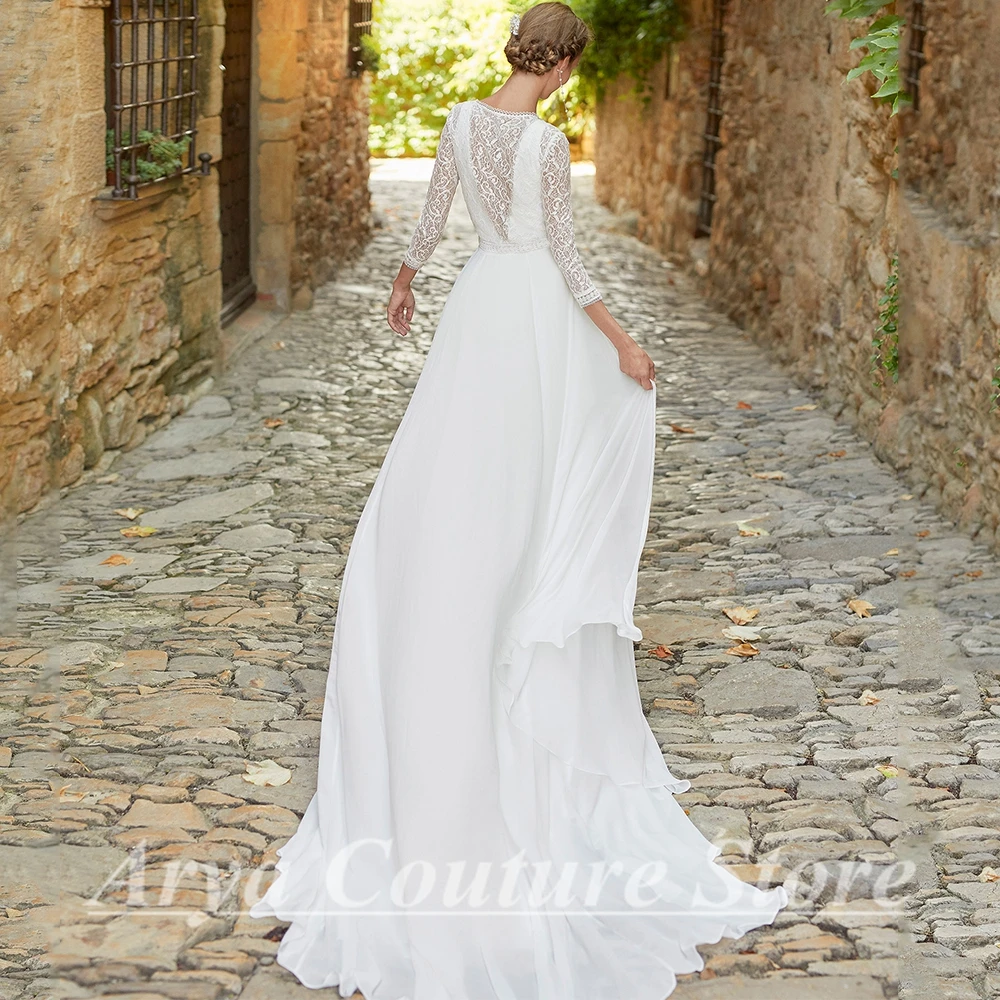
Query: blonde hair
[(548, 32)]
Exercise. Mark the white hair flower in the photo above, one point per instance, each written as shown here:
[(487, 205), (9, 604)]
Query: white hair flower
[(515, 25)]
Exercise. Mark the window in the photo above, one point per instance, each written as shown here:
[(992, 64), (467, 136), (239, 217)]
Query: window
[(706, 203), (152, 91), (358, 48), (917, 59)]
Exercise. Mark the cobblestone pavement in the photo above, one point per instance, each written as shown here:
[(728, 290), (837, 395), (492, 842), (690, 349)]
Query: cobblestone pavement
[(856, 755)]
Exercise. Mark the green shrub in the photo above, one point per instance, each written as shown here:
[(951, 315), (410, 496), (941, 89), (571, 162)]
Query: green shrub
[(435, 53), (161, 156), (631, 37)]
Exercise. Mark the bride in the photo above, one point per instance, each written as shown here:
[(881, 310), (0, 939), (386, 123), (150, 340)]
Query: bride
[(494, 819)]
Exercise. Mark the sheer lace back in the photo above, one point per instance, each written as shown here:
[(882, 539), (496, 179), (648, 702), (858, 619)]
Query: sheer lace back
[(515, 175)]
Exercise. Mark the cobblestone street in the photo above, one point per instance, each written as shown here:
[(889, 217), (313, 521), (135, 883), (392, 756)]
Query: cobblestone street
[(855, 756)]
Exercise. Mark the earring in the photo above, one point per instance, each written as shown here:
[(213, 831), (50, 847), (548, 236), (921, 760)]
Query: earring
[(559, 71)]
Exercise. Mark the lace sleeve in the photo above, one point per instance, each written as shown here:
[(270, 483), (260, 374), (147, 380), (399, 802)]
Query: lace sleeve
[(558, 207), (440, 194)]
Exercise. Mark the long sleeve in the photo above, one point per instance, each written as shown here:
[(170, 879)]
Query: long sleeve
[(440, 194), (558, 207)]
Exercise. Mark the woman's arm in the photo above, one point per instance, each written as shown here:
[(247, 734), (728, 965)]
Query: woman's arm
[(433, 216), (632, 359), (558, 207)]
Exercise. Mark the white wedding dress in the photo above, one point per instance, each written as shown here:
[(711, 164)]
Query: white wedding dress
[(483, 736)]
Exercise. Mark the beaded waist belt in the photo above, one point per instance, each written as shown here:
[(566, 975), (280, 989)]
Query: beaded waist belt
[(491, 247)]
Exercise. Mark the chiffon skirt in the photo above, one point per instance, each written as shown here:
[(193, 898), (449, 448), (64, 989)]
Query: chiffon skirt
[(494, 819)]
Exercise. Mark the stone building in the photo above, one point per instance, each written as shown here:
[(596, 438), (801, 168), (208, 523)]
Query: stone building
[(250, 183), (941, 420), (755, 161)]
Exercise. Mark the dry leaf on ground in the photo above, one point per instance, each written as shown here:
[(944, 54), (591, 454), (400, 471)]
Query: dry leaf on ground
[(741, 615), (741, 633), (863, 609), (906, 496), (868, 697), (768, 475), (888, 770), (130, 512), (137, 531), (278, 345), (748, 530), (891, 552), (661, 652), (117, 560), (742, 405), (989, 874), (273, 422), (743, 649), (804, 406), (267, 772), (680, 429)]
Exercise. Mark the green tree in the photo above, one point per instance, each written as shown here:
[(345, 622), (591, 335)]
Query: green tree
[(435, 53)]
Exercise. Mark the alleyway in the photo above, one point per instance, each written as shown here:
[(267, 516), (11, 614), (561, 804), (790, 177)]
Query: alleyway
[(858, 756)]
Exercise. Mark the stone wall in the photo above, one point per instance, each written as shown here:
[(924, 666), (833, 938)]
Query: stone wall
[(311, 146), (108, 310), (648, 153), (804, 226), (808, 216), (332, 204), (950, 267)]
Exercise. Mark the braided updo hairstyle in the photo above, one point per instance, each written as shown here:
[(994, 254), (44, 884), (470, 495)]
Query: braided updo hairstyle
[(548, 32)]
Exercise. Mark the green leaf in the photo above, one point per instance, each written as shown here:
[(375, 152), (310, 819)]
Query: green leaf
[(890, 88), (889, 21)]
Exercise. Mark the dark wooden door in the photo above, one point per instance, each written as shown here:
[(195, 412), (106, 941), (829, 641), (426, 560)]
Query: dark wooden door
[(234, 171)]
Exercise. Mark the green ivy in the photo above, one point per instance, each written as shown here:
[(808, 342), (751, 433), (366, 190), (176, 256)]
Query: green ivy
[(162, 158), (885, 343), (881, 45), (630, 37)]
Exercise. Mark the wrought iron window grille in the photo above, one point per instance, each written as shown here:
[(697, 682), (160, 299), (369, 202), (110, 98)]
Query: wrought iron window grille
[(916, 57), (360, 27), (713, 121), (152, 93)]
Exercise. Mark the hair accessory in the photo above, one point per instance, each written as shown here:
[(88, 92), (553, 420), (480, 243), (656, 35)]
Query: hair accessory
[(515, 25)]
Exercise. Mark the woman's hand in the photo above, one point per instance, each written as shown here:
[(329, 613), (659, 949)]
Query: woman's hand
[(637, 364), (632, 359), (399, 311)]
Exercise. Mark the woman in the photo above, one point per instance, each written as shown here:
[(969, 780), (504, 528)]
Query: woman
[(494, 819)]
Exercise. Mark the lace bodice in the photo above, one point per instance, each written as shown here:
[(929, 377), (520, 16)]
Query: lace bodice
[(515, 175)]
